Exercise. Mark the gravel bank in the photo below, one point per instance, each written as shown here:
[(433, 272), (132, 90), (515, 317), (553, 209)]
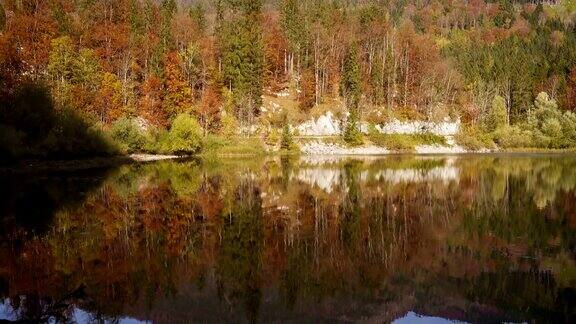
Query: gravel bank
[(320, 148), (152, 157)]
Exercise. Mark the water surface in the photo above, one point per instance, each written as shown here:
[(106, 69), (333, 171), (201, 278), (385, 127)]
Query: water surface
[(435, 239)]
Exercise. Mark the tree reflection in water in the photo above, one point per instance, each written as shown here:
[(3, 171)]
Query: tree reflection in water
[(468, 238)]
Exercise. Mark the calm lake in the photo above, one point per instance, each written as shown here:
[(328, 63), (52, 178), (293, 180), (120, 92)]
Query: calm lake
[(309, 239)]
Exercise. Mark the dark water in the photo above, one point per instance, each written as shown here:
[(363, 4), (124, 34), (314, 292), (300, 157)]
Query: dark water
[(474, 239)]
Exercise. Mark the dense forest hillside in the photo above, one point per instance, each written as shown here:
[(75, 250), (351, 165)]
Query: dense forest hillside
[(78, 76)]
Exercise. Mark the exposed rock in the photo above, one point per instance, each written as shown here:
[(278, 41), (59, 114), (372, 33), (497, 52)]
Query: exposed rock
[(152, 157), (325, 125), (283, 94), (445, 128), (328, 125)]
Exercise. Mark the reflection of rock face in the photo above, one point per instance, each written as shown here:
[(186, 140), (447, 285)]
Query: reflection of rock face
[(325, 179), (329, 178), (444, 174)]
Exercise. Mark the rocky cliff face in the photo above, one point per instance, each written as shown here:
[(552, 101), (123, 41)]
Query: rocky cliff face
[(325, 125), (328, 125)]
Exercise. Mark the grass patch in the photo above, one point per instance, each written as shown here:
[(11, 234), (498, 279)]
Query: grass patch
[(405, 142), (217, 145)]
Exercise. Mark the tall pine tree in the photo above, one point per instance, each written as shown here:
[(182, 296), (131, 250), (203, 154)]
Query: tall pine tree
[(351, 90), (242, 55)]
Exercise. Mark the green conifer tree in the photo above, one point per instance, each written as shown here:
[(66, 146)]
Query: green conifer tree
[(242, 56), (287, 142), (498, 115), (292, 25), (350, 89)]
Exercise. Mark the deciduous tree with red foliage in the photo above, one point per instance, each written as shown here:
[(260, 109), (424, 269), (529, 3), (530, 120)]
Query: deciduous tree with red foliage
[(306, 96), (208, 111), (178, 98), (150, 103)]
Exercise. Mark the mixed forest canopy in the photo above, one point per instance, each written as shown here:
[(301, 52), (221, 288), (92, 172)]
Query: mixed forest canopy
[(106, 63)]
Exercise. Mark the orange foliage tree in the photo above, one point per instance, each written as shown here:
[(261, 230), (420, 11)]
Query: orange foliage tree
[(109, 100), (150, 103), (178, 98), (306, 97)]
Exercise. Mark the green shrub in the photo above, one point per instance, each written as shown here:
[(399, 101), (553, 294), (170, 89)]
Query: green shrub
[(430, 139), (513, 137), (542, 140), (242, 146), (395, 142), (214, 143), (352, 135), (287, 142), (472, 138), (228, 126), (552, 128), (184, 137), (128, 135), (568, 129), (273, 137), (545, 127), (404, 142)]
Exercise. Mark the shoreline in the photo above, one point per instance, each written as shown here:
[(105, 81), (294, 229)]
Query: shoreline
[(82, 164), (103, 162)]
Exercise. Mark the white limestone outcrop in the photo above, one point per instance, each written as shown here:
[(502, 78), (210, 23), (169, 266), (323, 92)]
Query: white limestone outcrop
[(445, 128), (329, 125), (325, 125)]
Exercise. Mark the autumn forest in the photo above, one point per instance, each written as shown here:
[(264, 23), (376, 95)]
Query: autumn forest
[(250, 161), (80, 75)]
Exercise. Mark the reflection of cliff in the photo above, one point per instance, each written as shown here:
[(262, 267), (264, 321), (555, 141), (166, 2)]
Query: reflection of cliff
[(443, 174), (327, 176), (180, 242), (323, 178)]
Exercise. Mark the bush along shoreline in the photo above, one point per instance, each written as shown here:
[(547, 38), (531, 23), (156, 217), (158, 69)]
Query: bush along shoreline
[(247, 77), (545, 128), (33, 129)]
